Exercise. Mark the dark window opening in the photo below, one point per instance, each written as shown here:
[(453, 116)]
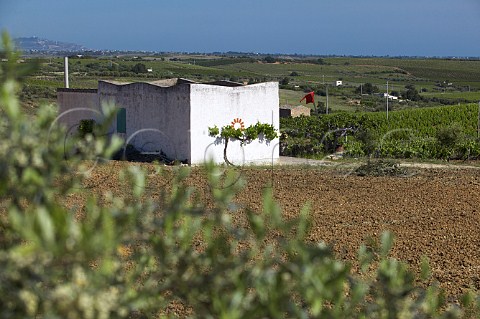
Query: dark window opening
[(122, 121)]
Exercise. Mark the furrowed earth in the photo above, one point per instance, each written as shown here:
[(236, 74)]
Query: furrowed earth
[(433, 213)]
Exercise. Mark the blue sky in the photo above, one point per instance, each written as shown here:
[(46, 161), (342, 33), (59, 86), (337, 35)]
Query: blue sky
[(341, 27)]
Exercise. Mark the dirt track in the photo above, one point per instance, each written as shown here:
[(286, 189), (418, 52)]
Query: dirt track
[(434, 213)]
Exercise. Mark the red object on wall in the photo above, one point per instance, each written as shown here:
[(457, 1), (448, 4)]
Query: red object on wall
[(309, 98)]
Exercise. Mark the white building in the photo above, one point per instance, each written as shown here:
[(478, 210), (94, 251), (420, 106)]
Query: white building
[(338, 83), (172, 116), (390, 97)]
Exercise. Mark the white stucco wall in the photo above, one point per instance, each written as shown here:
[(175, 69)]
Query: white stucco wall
[(175, 119), (75, 105), (158, 118), (218, 105)]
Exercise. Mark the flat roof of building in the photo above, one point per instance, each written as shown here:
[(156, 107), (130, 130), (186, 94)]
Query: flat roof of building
[(176, 81), (164, 83)]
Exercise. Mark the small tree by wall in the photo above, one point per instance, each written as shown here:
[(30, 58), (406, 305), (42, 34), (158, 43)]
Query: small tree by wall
[(236, 130), (86, 126)]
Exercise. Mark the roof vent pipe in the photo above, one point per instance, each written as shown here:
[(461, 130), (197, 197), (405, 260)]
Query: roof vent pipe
[(66, 72)]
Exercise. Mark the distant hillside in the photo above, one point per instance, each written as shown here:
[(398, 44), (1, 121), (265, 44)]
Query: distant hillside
[(44, 45)]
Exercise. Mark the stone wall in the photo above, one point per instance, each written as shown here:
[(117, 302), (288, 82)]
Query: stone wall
[(300, 110), (294, 111)]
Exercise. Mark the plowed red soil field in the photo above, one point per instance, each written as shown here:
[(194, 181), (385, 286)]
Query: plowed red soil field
[(434, 213)]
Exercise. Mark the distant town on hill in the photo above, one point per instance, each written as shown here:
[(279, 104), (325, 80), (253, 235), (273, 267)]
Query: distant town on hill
[(35, 44)]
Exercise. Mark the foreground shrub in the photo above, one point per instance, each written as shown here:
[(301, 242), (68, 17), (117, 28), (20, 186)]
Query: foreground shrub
[(131, 256)]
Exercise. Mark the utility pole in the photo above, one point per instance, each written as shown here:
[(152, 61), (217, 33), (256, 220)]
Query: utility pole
[(387, 100), (326, 110)]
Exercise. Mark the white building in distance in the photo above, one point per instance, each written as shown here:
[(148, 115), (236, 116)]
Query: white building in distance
[(173, 116), (390, 97)]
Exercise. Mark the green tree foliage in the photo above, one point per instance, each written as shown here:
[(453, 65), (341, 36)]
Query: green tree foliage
[(86, 126), (450, 135), (321, 92), (321, 107), (394, 93), (411, 93), (284, 81), (381, 168), (367, 88), (132, 256), (139, 68), (244, 135), (269, 59)]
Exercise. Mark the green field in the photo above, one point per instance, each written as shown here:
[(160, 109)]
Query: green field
[(440, 81), (336, 103), (470, 96)]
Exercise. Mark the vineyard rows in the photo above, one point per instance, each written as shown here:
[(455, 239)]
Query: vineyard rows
[(442, 132)]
